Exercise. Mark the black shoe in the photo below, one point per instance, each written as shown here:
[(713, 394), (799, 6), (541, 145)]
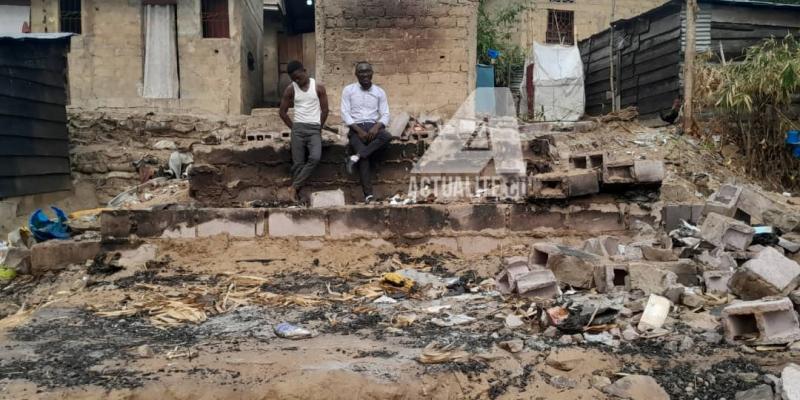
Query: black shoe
[(350, 165)]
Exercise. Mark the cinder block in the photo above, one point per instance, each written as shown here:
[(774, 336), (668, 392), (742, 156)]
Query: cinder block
[(723, 202), (761, 322), (224, 226), (673, 214), (582, 183), (327, 199), (725, 232), (603, 246), (587, 161), (650, 279), (507, 279), (552, 185), (571, 266), (115, 224), (365, 222), (612, 278), (538, 283), (619, 172), (768, 274), (476, 217), (717, 281), (754, 204), (58, 254), (417, 221), (300, 223), (648, 171)]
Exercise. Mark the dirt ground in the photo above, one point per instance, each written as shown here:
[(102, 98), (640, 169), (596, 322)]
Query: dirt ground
[(63, 349)]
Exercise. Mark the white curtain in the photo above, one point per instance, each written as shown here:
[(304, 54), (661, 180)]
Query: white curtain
[(161, 53)]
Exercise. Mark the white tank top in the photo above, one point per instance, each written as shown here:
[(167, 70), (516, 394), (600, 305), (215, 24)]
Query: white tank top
[(306, 104)]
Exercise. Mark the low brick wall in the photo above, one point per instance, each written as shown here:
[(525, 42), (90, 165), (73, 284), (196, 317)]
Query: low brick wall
[(421, 222)]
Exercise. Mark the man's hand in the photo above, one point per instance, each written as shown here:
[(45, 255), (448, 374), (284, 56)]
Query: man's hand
[(362, 134), (373, 132)]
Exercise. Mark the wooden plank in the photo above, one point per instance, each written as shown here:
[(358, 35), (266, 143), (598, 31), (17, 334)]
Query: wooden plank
[(50, 78), (664, 73), (644, 55), (599, 65), (27, 185), (600, 87), (26, 108), (655, 41), (45, 63), (28, 90), (32, 50), (33, 165), (27, 146), (662, 25), (26, 127), (669, 60), (596, 77)]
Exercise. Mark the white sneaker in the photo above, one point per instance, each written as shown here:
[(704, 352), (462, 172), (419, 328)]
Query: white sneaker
[(369, 199), (354, 159)]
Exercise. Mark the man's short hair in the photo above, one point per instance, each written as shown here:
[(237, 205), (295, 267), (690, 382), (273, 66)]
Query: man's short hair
[(363, 65), (294, 66)]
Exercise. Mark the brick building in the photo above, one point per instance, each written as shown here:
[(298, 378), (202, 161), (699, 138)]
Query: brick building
[(165, 55), (569, 21), (423, 51)]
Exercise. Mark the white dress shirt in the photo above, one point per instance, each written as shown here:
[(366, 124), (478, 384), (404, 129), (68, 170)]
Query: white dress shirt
[(364, 106)]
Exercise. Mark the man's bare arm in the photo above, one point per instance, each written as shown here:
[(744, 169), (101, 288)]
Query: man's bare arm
[(287, 101), (323, 104)]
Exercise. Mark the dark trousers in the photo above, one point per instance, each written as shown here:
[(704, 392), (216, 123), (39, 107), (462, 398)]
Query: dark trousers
[(306, 138), (368, 153)]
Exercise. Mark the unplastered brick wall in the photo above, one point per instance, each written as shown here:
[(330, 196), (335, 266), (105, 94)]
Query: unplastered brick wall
[(591, 16), (423, 51)]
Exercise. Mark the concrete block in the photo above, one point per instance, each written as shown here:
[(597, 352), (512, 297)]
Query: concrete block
[(477, 245), (619, 172), (582, 183), (649, 279), (685, 270), (476, 217), (526, 218), (115, 224), (366, 222), (571, 267), (327, 199), (723, 202), (507, 279), (538, 283), (398, 124), (655, 313), (717, 281), (612, 278), (417, 221), (649, 171), (769, 274), (552, 185), (57, 254), (726, 232), (673, 214), (587, 161), (603, 246), (761, 322), (300, 223), (754, 204)]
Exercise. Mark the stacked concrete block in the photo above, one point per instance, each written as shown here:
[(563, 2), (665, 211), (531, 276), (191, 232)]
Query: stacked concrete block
[(562, 185), (723, 202), (582, 183), (726, 232), (587, 161), (572, 267), (770, 273), (763, 322)]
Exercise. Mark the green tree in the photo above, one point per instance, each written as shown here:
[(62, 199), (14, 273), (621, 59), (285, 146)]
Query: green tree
[(494, 32)]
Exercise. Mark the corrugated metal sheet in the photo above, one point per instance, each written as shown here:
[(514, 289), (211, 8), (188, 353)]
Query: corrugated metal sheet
[(703, 28)]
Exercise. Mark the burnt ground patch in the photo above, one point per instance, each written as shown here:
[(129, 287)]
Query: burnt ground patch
[(70, 344), (298, 283)]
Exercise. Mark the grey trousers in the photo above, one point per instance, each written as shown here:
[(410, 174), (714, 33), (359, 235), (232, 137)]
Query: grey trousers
[(306, 152)]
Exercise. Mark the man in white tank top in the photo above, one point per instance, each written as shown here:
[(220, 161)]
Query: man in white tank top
[(310, 102)]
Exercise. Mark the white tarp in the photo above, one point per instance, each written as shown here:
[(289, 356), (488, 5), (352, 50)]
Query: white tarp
[(558, 84), (12, 18)]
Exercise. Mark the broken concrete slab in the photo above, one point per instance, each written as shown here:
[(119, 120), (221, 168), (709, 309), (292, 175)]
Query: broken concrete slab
[(760, 392), (327, 199), (507, 279), (649, 171), (587, 161), (637, 387), (717, 260), (723, 201), (655, 313), (399, 124), (791, 247), (673, 215), (754, 204), (17, 258), (726, 232), (655, 254), (763, 322), (58, 254), (768, 274), (790, 382)]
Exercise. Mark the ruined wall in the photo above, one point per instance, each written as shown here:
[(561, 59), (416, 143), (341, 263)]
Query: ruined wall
[(252, 66), (106, 62), (591, 16), (423, 51)]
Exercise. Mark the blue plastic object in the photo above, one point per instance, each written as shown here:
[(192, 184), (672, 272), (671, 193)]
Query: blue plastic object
[(43, 228), (796, 152), (493, 54), (793, 137)]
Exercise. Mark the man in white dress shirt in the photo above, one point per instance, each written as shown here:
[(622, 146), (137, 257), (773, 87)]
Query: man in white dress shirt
[(365, 109)]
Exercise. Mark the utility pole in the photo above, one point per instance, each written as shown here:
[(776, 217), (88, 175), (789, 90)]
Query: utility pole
[(688, 73)]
